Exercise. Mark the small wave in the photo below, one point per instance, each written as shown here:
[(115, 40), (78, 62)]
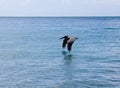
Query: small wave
[(110, 28), (82, 84)]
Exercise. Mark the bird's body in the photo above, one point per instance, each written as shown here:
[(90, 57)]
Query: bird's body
[(68, 40), (71, 39)]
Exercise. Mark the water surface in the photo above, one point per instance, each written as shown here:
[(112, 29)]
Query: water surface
[(31, 55)]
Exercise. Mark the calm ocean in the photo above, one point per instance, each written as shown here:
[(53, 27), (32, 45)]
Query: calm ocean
[(31, 55)]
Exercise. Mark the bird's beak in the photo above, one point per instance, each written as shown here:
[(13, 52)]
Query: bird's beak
[(61, 37)]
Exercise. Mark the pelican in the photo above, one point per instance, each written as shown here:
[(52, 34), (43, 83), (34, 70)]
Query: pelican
[(68, 40)]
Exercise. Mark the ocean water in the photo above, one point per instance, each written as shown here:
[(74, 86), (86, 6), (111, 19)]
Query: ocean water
[(31, 55)]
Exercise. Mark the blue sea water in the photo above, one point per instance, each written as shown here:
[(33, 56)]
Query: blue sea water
[(31, 55)]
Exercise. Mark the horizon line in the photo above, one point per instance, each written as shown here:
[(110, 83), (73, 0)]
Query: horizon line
[(59, 16)]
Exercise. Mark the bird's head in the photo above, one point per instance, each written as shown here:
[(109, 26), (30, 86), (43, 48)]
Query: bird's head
[(64, 37)]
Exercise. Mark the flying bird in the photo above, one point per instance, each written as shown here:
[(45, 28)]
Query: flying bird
[(68, 40)]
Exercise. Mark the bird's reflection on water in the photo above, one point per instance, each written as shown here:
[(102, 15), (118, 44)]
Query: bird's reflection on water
[(67, 57), (67, 69)]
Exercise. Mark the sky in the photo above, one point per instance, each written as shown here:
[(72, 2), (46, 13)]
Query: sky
[(59, 7)]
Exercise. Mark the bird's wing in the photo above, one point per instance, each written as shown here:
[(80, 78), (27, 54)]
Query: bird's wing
[(64, 43), (69, 46)]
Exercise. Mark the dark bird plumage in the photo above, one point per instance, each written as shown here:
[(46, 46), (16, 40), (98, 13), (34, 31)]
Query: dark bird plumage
[(67, 40)]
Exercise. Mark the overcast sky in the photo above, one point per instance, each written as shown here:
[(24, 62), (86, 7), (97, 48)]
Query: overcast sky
[(59, 7)]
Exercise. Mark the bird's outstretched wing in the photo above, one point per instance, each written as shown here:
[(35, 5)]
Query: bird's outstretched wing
[(69, 46), (64, 43)]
